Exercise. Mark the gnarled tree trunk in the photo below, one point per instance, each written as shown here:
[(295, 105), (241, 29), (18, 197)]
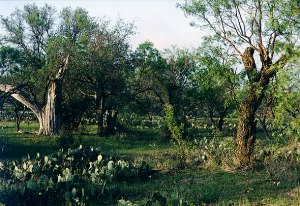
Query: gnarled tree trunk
[(246, 132), (259, 81), (49, 115)]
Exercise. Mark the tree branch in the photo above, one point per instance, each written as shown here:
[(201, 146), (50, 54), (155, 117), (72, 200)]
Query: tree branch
[(13, 92)]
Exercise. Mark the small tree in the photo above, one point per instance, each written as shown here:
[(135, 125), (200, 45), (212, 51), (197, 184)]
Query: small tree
[(216, 81), (164, 78), (102, 68)]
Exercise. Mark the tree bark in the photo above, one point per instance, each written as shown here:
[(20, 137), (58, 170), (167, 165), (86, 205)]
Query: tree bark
[(259, 81), (246, 132), (49, 116)]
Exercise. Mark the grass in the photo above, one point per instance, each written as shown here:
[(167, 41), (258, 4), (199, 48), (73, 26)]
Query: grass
[(195, 186)]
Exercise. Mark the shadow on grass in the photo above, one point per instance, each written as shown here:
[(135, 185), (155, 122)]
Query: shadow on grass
[(17, 150), (15, 145)]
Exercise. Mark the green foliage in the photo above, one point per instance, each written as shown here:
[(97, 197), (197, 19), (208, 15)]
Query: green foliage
[(175, 82), (172, 124), (162, 77), (216, 83), (287, 110), (227, 18), (28, 31), (147, 82)]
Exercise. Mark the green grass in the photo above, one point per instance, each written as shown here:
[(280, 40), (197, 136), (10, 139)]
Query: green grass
[(15, 145), (194, 186)]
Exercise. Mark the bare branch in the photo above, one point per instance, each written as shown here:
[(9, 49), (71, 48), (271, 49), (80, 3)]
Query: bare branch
[(9, 89), (60, 73), (259, 23)]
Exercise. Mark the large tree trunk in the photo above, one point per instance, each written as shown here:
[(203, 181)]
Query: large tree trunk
[(246, 132), (49, 116), (259, 81)]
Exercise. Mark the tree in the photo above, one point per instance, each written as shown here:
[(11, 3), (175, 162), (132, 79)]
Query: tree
[(46, 51), (19, 110), (266, 28), (164, 80), (287, 104), (103, 69), (28, 31), (146, 82), (215, 81)]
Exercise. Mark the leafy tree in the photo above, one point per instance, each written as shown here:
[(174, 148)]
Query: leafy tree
[(19, 111), (287, 106), (177, 80), (102, 69), (28, 31), (146, 81), (267, 31), (163, 78), (215, 81), (46, 52)]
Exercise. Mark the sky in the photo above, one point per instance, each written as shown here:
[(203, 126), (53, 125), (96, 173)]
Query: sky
[(158, 21)]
